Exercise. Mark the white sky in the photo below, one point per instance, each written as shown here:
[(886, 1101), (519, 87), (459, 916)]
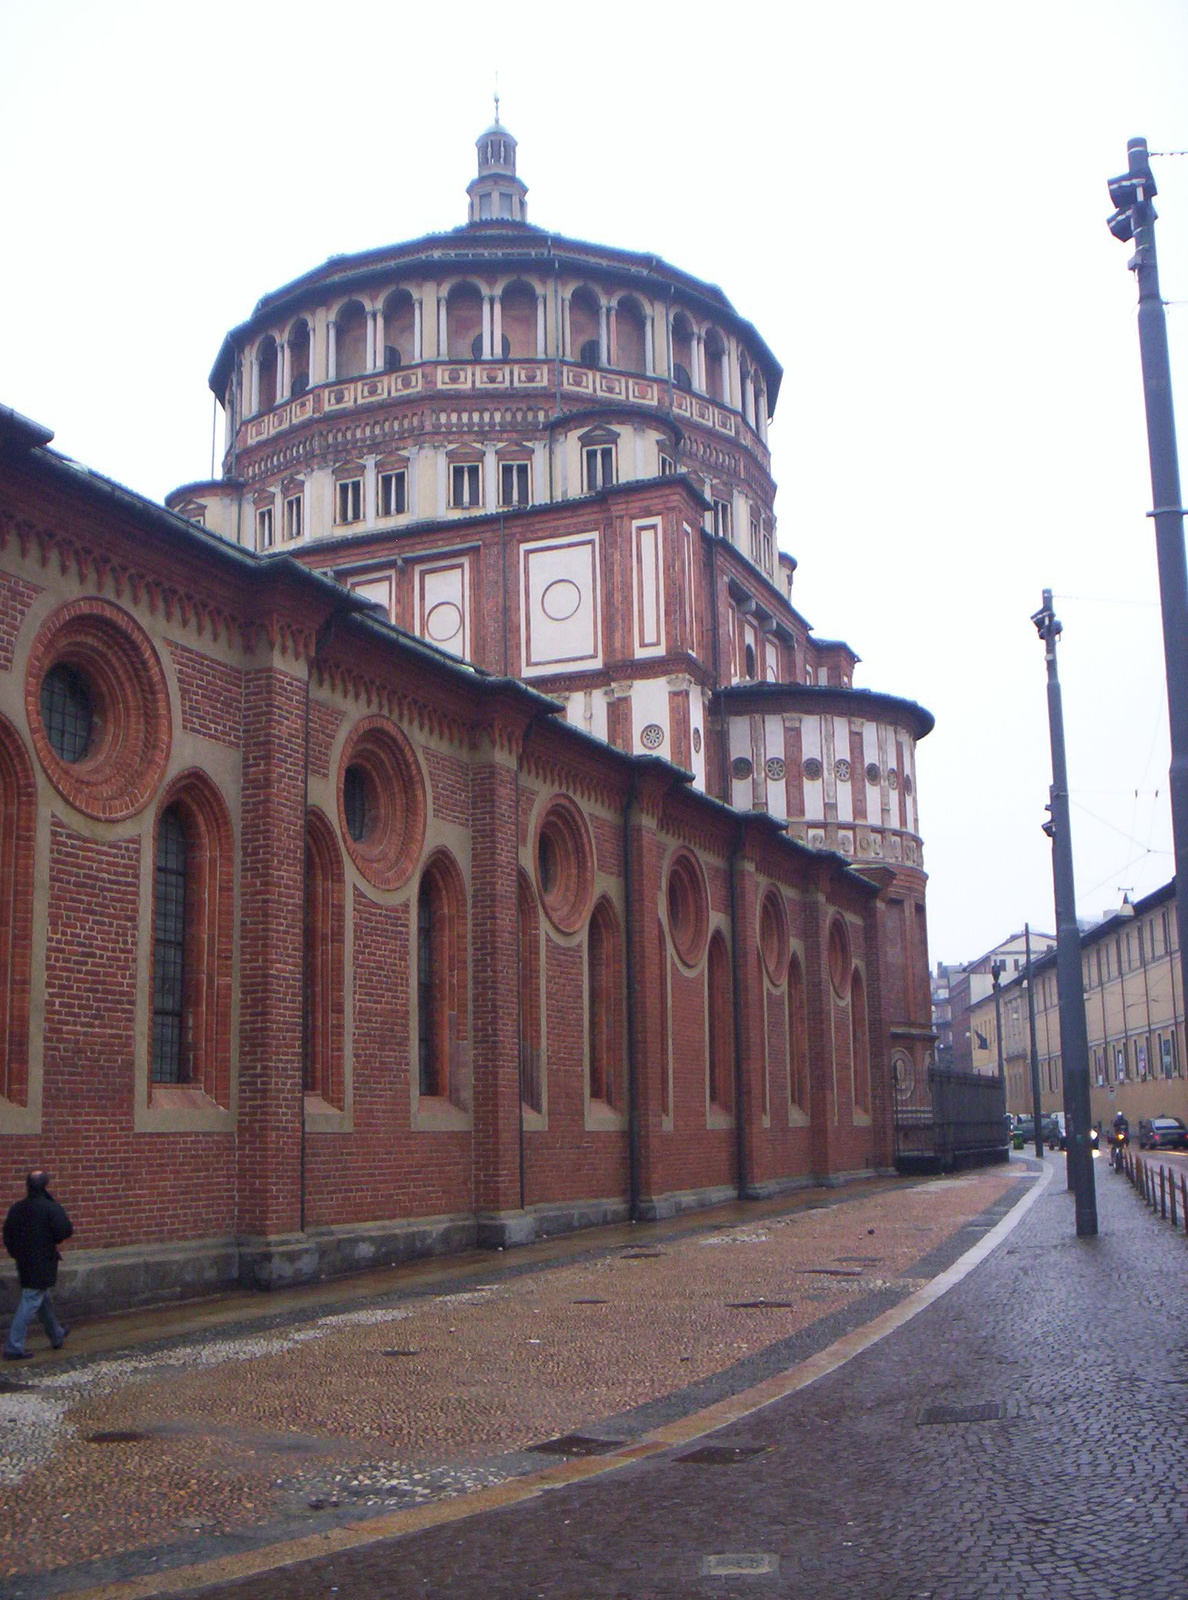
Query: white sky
[(908, 200)]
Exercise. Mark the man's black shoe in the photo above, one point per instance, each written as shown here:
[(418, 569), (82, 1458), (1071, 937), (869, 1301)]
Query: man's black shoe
[(62, 1340), (18, 1355)]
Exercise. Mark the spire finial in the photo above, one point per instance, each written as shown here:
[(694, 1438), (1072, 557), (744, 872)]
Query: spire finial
[(496, 96)]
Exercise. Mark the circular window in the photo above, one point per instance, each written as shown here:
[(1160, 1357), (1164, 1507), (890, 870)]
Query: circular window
[(776, 769), (840, 962), (564, 864), (652, 737), (67, 713), (893, 778), (688, 907), (98, 709), (872, 772), (812, 770), (842, 768), (696, 741), (773, 937), (907, 783), (381, 802), (741, 767)]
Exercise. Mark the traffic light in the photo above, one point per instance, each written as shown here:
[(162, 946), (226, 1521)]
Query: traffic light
[(1132, 194)]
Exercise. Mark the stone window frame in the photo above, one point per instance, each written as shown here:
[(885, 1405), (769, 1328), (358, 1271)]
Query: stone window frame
[(533, 1055), (441, 883), (605, 1033), (719, 1032), (390, 848), (686, 901), (563, 858), (799, 1089), (860, 1075), (324, 1000)]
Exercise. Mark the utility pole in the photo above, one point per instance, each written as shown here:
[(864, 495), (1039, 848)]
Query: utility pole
[(1134, 219), (997, 968), (1035, 1088), (1074, 1038)]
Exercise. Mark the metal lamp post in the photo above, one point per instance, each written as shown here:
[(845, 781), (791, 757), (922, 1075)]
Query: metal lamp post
[(997, 968), (1134, 219), (1074, 1040)]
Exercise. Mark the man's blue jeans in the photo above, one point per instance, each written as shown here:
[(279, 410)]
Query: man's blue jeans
[(34, 1303)]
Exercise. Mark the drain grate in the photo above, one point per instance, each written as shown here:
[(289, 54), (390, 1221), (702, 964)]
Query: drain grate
[(577, 1444), (117, 1436), (740, 1564), (831, 1272), (860, 1261), (723, 1455), (990, 1411), (760, 1305), (591, 1302), (640, 1255), (400, 1352)]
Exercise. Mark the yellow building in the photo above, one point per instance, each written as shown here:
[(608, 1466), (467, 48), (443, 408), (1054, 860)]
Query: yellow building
[(1134, 1015)]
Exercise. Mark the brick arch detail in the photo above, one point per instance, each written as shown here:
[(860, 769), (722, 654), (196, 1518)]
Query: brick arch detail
[(209, 929), (798, 1075), (18, 822), (531, 1054), (325, 933), (860, 1043), (719, 1053)]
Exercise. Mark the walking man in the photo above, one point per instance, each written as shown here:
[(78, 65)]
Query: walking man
[(33, 1230)]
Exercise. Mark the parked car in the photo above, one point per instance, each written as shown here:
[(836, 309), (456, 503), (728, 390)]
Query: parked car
[(1057, 1134), (1162, 1133)]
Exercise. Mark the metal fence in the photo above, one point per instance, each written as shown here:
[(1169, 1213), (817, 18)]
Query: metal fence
[(948, 1119)]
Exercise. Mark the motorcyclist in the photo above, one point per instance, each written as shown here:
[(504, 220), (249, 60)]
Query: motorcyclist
[(1119, 1137)]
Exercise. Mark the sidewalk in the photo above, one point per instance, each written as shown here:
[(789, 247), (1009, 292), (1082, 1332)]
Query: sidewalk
[(177, 1437)]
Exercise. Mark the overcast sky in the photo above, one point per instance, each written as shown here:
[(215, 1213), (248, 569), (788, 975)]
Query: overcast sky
[(908, 200)]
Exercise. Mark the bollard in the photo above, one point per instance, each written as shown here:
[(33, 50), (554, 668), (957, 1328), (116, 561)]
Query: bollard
[(1162, 1196), (1172, 1186), (1184, 1201)]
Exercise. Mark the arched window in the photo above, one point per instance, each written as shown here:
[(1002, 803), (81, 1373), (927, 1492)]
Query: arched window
[(464, 323), (584, 335), (798, 1090), (18, 799), (860, 1043), (322, 1072), (715, 349), (531, 1079), (399, 335), (442, 1022), (518, 314), (299, 357), (630, 334), (193, 902), (682, 351), (350, 358), (720, 1029), (665, 1098), (605, 1006), (266, 373)]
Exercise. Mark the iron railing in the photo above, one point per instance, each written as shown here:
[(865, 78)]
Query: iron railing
[(946, 1119)]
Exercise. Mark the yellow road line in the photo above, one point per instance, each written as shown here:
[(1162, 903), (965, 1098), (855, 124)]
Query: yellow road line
[(397, 1524)]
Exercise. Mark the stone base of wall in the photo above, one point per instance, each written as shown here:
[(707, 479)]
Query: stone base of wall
[(658, 1207), (95, 1282), (287, 1260), (501, 1230)]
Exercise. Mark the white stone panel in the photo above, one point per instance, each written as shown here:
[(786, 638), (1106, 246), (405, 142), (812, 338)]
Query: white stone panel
[(559, 611), (649, 588), (741, 788), (379, 589), (777, 787), (443, 605), (814, 788), (649, 709)]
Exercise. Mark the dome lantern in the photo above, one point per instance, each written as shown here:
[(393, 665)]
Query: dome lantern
[(496, 194)]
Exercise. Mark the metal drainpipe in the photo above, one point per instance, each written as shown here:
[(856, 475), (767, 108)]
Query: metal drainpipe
[(320, 643), (740, 1132), (628, 974), (519, 963)]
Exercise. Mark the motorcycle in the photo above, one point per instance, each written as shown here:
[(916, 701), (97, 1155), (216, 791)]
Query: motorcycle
[(1117, 1152)]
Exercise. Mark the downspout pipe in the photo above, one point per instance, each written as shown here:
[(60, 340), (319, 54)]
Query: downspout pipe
[(633, 1162), (740, 1131)]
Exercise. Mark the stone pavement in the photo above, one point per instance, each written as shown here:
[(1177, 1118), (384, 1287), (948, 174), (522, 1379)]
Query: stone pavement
[(227, 1433), (1022, 1436)]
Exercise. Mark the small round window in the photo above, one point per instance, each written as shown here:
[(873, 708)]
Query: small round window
[(564, 864), (688, 908), (67, 712), (354, 801), (840, 959), (548, 864)]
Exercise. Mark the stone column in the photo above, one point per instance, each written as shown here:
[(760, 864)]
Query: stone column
[(748, 399), (369, 361), (418, 343), (566, 330), (281, 387), (486, 327), (541, 345), (612, 336), (603, 340), (331, 350), (443, 329), (496, 328), (649, 344)]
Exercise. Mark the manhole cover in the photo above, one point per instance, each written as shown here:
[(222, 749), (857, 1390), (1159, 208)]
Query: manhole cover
[(723, 1455), (832, 1272), (400, 1352), (990, 1411), (641, 1255), (760, 1305), (860, 1261), (740, 1565), (117, 1436), (591, 1302), (576, 1444)]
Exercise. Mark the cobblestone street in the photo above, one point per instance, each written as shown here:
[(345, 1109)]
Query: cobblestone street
[(225, 1436), (1020, 1437)]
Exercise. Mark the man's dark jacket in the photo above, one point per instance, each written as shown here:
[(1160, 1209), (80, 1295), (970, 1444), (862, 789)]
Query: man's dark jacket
[(33, 1230)]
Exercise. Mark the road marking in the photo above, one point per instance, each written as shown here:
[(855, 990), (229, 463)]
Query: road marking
[(515, 1491)]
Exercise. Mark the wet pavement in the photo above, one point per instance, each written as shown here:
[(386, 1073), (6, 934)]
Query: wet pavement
[(226, 1429), (1022, 1435)]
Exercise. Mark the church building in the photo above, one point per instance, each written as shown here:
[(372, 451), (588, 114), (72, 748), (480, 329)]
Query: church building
[(442, 828)]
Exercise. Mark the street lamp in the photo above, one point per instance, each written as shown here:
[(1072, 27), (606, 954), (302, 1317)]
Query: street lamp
[(997, 968), (1074, 1041)]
